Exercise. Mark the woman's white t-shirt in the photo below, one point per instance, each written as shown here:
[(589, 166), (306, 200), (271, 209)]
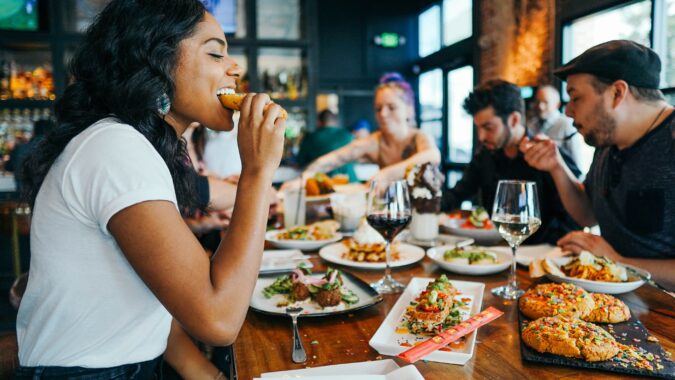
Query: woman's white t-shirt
[(84, 305)]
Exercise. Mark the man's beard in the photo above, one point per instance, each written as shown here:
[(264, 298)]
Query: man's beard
[(603, 133), (507, 138)]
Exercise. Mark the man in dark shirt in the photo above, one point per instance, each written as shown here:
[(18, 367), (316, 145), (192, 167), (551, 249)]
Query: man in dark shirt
[(497, 109), (629, 190)]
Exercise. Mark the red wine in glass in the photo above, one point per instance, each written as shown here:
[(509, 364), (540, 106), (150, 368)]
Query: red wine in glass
[(388, 225), (388, 212)]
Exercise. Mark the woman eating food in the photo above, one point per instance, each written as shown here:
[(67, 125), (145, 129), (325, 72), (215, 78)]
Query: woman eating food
[(112, 262)]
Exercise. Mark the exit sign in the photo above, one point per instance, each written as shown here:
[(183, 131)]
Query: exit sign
[(389, 40)]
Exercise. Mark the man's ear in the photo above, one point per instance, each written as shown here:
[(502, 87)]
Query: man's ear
[(619, 91), (514, 119)]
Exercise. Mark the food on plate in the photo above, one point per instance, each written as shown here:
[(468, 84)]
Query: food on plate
[(470, 255), (316, 231), (546, 300), (571, 338), (301, 286), (434, 309), (479, 219), (229, 99), (367, 245), (608, 309), (320, 184), (590, 267)]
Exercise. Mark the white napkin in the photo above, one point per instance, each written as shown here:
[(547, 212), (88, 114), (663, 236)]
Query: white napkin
[(283, 259), (379, 369)]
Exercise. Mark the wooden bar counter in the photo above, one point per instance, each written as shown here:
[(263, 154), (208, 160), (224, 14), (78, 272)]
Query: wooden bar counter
[(264, 343)]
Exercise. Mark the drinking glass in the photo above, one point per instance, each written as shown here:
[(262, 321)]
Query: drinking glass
[(388, 212), (516, 215)]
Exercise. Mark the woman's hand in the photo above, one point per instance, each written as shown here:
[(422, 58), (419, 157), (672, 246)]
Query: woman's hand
[(578, 241), (385, 175), (261, 135)]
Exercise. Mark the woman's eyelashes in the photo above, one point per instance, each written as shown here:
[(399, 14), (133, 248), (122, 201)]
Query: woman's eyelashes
[(216, 56)]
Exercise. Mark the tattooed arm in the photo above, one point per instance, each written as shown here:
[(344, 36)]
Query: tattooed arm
[(426, 152), (348, 153)]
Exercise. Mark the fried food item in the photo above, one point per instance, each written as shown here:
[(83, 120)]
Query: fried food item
[(547, 300), (233, 101), (571, 338), (320, 184), (427, 314), (608, 309), (370, 253)]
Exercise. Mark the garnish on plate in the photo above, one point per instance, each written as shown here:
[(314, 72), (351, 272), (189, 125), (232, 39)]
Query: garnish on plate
[(479, 219), (300, 285), (470, 255)]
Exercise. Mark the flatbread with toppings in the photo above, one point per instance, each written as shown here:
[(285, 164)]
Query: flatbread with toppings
[(570, 337), (547, 300), (608, 309)]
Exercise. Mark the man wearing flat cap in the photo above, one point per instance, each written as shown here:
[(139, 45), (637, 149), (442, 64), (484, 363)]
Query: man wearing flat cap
[(630, 188)]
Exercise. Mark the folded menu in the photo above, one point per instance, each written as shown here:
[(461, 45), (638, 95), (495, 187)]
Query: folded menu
[(282, 260), (378, 369)]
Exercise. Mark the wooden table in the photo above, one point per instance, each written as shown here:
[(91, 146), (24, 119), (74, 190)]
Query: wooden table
[(264, 343)]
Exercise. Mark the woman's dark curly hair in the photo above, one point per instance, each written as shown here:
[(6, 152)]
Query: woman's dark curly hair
[(127, 60)]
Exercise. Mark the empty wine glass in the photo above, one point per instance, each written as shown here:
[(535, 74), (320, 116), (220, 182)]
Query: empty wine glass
[(388, 212), (516, 215)]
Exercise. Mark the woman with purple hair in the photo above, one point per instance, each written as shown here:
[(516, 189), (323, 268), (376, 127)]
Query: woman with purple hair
[(398, 143)]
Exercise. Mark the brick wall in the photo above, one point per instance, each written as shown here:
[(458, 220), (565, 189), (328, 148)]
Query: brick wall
[(516, 40)]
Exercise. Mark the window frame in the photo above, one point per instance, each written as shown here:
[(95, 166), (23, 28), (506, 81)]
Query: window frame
[(568, 11), (461, 53)]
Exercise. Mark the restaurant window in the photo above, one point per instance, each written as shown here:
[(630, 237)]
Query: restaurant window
[(431, 104), (279, 19), (430, 31), (457, 21), (668, 20), (632, 22), (460, 124)]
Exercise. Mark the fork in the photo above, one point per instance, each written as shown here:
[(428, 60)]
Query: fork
[(299, 355)]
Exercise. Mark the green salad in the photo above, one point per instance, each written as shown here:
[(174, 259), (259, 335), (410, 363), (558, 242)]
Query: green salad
[(470, 255)]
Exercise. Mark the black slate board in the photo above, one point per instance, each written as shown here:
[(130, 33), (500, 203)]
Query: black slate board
[(624, 333)]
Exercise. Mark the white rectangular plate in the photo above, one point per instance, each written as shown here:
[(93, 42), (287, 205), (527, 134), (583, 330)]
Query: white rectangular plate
[(388, 342), (387, 369)]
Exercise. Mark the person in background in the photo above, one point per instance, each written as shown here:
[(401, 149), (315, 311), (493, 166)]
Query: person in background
[(361, 129), (22, 151), (327, 137), (398, 143), (112, 261), (497, 109), (551, 122), (617, 106)]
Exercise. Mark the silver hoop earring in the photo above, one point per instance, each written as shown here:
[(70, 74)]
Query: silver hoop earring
[(163, 104)]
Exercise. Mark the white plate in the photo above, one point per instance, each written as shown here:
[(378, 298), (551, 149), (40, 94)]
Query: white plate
[(305, 245), (282, 260), (387, 369), (367, 297), (481, 236), (436, 254), (528, 253), (388, 342), (408, 254), (602, 286), (442, 239)]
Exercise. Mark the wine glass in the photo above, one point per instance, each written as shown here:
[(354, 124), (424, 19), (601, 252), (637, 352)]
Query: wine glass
[(388, 212), (516, 215)]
